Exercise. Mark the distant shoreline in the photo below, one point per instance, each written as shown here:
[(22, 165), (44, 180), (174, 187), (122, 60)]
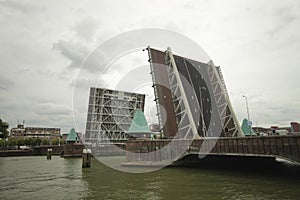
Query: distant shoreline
[(12, 153), (36, 151)]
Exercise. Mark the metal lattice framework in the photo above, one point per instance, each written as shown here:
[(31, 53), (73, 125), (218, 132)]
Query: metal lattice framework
[(185, 122), (110, 114), (228, 118)]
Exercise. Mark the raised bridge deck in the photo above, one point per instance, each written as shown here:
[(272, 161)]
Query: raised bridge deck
[(166, 151)]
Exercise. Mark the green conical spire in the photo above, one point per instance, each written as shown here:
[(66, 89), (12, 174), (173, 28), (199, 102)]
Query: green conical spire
[(72, 137), (139, 123), (247, 129)]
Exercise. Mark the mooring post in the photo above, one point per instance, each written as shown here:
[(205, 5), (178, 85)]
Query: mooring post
[(86, 158), (49, 154)]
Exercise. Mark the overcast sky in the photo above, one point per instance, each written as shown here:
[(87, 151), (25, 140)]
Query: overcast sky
[(43, 44)]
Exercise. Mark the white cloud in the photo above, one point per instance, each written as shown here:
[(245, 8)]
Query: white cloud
[(86, 29), (76, 52)]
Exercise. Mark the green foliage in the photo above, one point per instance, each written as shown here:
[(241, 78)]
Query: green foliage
[(12, 142), (37, 141), (55, 141), (20, 142), (28, 141), (45, 142), (3, 144), (3, 129)]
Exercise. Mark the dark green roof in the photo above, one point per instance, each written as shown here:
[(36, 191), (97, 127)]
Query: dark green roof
[(139, 123), (72, 137)]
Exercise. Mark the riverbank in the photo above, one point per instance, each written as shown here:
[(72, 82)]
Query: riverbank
[(11, 153), (35, 151)]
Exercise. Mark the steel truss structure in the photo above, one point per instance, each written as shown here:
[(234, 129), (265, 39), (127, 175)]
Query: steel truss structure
[(228, 118), (184, 118), (199, 98), (110, 113)]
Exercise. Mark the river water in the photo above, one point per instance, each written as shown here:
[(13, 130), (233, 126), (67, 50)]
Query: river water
[(59, 178)]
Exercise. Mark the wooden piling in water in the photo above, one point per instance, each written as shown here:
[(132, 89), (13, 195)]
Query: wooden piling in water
[(49, 154), (86, 158)]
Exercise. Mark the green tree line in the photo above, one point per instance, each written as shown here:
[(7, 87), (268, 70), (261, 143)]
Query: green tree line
[(3, 129), (30, 142)]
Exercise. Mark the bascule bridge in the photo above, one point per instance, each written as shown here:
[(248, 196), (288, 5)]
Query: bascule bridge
[(196, 117)]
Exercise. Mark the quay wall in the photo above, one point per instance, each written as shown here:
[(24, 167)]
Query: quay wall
[(10, 153), (109, 150), (72, 150), (42, 150), (36, 151)]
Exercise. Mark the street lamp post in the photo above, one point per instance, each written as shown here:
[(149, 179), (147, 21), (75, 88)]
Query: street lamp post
[(246, 99)]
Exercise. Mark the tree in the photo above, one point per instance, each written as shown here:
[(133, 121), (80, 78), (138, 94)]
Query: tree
[(45, 142), (3, 144), (28, 141), (55, 141), (3, 129), (20, 142), (37, 141), (62, 141), (12, 142)]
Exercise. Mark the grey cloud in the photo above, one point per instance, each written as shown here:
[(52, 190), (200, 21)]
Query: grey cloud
[(5, 83), (52, 109), (194, 5), (84, 83), (283, 16), (134, 79), (80, 55), (23, 70), (21, 6), (38, 113), (189, 6), (43, 101), (283, 11), (76, 52), (277, 115), (86, 29), (78, 48)]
